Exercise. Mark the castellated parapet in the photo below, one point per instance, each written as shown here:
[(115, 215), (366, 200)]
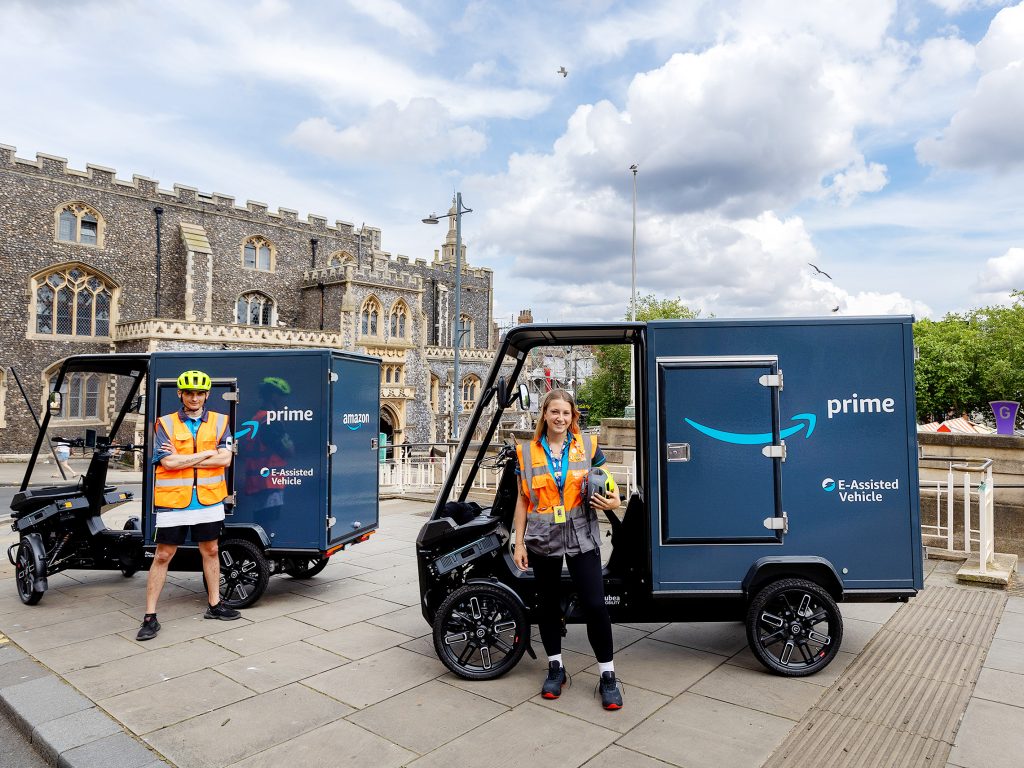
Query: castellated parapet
[(103, 178)]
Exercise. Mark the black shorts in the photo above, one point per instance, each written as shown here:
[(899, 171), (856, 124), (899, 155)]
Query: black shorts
[(175, 534)]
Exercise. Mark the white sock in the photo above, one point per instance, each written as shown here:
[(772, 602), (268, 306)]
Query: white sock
[(557, 657), (606, 666)]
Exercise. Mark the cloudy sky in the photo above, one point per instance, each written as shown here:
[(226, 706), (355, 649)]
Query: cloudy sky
[(882, 140)]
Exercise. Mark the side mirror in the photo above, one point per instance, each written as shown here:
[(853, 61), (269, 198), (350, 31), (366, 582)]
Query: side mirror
[(54, 403), (136, 406), (524, 396), (90, 438)]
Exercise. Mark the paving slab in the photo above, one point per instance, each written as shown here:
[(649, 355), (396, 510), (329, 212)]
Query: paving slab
[(375, 678), (237, 731), (73, 631), (427, 716), (876, 612), (185, 628), (719, 637), (408, 621), (990, 736), (759, 690), (1011, 627), (1015, 605), (337, 744), (698, 732), (20, 671), (280, 666), (1005, 655), (145, 669), (357, 641), (529, 735), (824, 679), (55, 737), (10, 652), (405, 594), (620, 757), (89, 653), (662, 667), (118, 749), (169, 702), (333, 591), (857, 633), (339, 614), (258, 637), (1002, 687), (279, 604), (400, 574), (45, 614)]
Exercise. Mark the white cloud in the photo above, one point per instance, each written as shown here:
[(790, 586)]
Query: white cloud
[(393, 15), (999, 276), (856, 179), (956, 7), (420, 133), (985, 132)]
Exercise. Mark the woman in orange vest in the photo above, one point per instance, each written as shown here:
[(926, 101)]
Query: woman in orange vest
[(191, 450), (551, 522)]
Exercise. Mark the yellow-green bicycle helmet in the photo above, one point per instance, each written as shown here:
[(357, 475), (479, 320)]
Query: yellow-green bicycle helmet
[(194, 380)]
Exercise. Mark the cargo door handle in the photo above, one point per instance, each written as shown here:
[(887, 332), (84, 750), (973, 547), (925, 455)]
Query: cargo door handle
[(775, 451), (678, 451)]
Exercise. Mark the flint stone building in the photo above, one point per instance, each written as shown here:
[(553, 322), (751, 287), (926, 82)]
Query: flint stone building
[(83, 272)]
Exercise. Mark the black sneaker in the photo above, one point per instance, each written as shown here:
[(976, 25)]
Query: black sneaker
[(552, 688), (148, 629), (611, 696), (222, 612)]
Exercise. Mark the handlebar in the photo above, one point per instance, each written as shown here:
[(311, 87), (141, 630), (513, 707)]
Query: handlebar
[(78, 442)]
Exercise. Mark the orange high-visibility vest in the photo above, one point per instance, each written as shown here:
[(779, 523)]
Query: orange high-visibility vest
[(537, 482), (172, 488)]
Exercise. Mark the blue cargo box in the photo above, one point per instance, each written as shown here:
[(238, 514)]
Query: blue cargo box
[(772, 440), (304, 426)]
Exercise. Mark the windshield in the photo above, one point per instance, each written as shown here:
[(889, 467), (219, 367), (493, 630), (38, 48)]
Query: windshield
[(88, 407)]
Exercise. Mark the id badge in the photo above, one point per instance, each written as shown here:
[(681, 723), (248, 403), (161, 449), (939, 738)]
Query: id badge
[(559, 514)]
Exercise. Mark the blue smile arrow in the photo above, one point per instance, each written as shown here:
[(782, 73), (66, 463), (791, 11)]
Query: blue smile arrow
[(740, 438), (251, 428)]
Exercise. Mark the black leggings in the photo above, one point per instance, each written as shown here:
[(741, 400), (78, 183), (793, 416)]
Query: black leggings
[(585, 570)]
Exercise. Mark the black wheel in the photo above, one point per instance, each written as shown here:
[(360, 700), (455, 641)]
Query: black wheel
[(131, 556), (794, 627), (305, 568), (244, 573), (25, 567), (480, 631)]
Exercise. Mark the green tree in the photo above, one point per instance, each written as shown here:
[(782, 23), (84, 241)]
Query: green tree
[(606, 393), (968, 360)]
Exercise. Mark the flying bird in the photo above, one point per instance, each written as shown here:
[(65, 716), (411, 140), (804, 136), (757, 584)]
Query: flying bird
[(820, 271), (563, 71), (835, 308)]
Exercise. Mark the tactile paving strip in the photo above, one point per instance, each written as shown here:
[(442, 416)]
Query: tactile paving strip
[(899, 704)]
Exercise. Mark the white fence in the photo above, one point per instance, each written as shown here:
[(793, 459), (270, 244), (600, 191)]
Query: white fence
[(977, 490), (425, 474)]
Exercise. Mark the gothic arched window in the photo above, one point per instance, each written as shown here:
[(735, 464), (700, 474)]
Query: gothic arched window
[(258, 253), (79, 223), (399, 320), (72, 301), (369, 317), (255, 308)]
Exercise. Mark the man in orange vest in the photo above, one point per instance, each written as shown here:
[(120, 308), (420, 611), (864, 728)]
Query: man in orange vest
[(191, 451)]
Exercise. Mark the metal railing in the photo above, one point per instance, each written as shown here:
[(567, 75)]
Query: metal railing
[(421, 469), (982, 491)]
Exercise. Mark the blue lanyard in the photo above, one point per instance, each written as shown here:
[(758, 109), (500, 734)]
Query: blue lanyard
[(558, 475)]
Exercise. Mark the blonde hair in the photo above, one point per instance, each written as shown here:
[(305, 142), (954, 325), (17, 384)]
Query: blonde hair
[(556, 394)]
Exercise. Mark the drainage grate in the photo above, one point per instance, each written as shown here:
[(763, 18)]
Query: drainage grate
[(900, 702)]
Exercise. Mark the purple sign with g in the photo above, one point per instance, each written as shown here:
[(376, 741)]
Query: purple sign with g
[(1006, 415)]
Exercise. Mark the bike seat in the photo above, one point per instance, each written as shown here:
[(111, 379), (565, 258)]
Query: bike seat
[(32, 499)]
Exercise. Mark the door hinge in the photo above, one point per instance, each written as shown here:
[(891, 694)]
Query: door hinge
[(331, 449), (771, 380), (331, 522), (374, 443), (230, 396), (775, 451), (332, 377), (777, 523)]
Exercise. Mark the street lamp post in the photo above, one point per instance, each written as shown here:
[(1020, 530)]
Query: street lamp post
[(456, 337), (631, 408)]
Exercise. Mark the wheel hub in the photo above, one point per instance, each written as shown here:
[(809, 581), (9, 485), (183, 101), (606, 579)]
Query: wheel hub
[(796, 629)]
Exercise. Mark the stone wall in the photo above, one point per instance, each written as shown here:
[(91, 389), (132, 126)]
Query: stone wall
[(199, 289)]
